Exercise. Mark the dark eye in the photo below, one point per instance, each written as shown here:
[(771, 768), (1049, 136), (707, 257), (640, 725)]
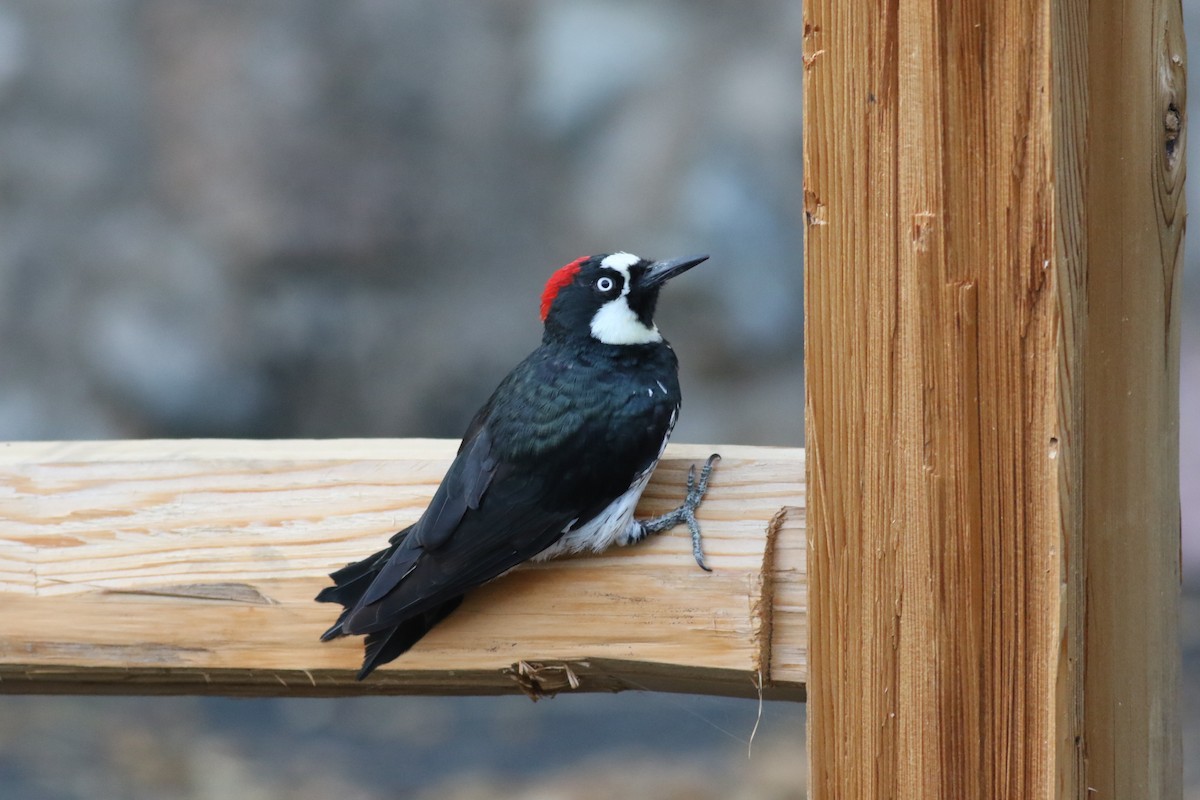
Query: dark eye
[(605, 284)]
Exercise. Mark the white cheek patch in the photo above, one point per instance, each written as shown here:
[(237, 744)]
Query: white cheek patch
[(615, 323)]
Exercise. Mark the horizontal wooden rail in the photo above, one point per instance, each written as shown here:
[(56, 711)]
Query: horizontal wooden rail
[(189, 567)]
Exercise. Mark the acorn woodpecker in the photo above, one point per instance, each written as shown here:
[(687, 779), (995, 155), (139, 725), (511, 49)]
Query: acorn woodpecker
[(553, 463)]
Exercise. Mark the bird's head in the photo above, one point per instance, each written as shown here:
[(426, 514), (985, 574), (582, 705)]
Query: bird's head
[(609, 297)]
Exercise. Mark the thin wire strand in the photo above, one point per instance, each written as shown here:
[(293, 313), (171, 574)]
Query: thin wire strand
[(758, 719), (668, 699)]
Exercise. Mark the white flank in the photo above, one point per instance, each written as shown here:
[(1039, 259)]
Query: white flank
[(613, 525), (615, 323)]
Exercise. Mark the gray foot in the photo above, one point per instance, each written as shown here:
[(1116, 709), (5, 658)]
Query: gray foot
[(687, 511)]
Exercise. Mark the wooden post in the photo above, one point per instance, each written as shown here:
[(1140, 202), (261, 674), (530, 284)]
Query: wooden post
[(189, 567), (1135, 207), (993, 198)]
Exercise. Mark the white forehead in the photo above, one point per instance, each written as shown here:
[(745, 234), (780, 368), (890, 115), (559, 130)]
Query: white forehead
[(621, 262)]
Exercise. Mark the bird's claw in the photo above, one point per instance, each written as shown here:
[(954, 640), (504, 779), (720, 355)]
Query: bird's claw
[(695, 495), (687, 511)]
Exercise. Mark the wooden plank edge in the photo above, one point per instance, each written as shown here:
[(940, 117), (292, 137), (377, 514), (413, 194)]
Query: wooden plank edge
[(535, 679)]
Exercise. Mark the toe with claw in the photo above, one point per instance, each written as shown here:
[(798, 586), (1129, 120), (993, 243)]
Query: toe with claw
[(687, 511)]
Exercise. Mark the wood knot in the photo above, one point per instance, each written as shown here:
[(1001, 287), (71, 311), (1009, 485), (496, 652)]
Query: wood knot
[(1172, 132)]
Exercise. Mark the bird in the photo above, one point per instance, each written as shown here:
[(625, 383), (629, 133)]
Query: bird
[(553, 463)]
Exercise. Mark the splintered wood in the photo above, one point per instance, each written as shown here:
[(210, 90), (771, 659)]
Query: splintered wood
[(190, 567)]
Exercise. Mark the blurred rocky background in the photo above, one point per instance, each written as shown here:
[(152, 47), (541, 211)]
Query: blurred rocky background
[(294, 218)]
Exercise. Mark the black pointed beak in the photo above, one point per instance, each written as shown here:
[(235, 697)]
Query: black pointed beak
[(660, 272)]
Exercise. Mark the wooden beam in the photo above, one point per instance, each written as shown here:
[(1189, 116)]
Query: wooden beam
[(189, 567), (994, 207), (1135, 205)]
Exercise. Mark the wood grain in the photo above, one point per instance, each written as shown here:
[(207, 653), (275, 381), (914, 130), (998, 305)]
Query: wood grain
[(994, 213), (1135, 201), (945, 312), (190, 567)]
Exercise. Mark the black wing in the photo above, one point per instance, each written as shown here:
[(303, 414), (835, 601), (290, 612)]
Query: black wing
[(365, 582), (462, 489)]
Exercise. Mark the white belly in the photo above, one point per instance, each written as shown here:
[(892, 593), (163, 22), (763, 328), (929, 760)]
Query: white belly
[(613, 525)]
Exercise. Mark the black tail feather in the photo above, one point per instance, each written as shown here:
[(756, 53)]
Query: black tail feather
[(388, 644), (351, 583)]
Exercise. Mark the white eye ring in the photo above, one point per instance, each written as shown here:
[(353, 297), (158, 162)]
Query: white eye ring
[(605, 284)]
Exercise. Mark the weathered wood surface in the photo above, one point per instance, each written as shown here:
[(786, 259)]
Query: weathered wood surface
[(1137, 144), (993, 198), (189, 567)]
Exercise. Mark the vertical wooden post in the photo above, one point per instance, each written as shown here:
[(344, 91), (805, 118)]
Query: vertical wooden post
[(1135, 228), (990, 406)]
